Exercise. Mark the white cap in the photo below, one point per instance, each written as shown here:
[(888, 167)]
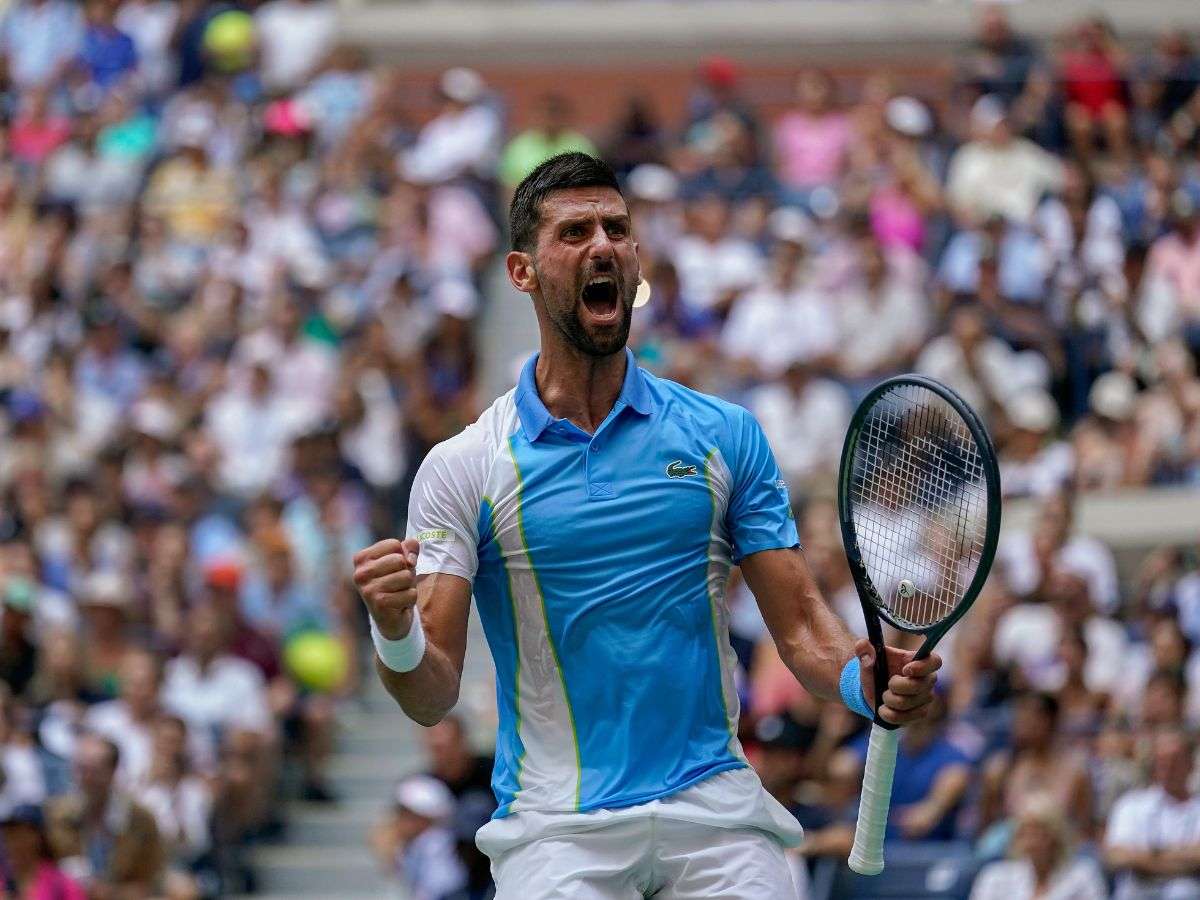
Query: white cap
[(909, 116), (987, 113), (462, 85), (104, 588), (1113, 396), (791, 225), (425, 796), (1032, 410), (455, 297), (653, 182), (154, 418)]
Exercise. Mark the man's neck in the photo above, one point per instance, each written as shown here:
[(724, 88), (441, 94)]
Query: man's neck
[(578, 387)]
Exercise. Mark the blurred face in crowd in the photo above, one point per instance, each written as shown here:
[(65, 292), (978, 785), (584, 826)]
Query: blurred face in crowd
[(95, 766), (139, 683), (1172, 763), (710, 216), (170, 744), (1162, 702), (446, 747), (1168, 645), (993, 29), (204, 632), (586, 267), (1037, 842), (1033, 724), (22, 844), (814, 90)]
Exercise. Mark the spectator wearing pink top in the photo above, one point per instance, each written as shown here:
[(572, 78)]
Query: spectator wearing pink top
[(811, 142), (29, 865), (1171, 286)]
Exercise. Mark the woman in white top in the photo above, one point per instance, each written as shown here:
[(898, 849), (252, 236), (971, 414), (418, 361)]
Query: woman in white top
[(1041, 867)]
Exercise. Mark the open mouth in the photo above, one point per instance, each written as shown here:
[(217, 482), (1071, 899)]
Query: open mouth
[(601, 298)]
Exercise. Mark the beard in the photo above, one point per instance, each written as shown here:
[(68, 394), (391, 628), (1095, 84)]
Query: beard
[(567, 314)]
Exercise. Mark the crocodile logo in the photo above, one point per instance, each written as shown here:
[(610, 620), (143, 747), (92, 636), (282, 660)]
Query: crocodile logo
[(677, 469)]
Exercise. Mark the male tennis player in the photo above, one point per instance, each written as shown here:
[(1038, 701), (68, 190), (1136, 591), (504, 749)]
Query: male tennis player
[(595, 511)]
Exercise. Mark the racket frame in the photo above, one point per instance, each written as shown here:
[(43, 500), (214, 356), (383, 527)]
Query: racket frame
[(867, 856)]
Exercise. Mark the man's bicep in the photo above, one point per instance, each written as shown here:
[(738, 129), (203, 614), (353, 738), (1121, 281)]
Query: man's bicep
[(444, 601), (759, 516)]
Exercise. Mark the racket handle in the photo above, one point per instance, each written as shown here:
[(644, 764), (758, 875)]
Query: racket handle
[(866, 857)]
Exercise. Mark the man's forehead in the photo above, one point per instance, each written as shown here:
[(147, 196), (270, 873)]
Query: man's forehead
[(584, 200)]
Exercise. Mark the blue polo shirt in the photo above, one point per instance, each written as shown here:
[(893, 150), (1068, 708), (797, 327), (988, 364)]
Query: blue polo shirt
[(599, 564)]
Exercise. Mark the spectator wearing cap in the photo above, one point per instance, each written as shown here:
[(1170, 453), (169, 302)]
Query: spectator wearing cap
[(552, 133), (996, 173), (1043, 862), (932, 777), (652, 192), (222, 588), (105, 601), (1152, 842), (1033, 462), (1113, 447), (883, 316), (102, 834), (783, 304), (463, 139), (30, 867), (1035, 763), (414, 843), (718, 91)]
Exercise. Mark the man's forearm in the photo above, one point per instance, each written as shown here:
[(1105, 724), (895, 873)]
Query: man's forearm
[(426, 693), (816, 647)]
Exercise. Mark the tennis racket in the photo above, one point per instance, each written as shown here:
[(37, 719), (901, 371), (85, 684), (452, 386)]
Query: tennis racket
[(919, 503)]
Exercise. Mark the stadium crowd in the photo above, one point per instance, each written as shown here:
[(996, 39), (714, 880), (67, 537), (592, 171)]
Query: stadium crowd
[(239, 287)]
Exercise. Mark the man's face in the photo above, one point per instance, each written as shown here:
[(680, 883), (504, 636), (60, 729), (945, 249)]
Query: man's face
[(587, 268), (94, 768)]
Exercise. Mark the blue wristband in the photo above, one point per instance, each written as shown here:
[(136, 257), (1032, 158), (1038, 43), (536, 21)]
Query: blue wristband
[(850, 686)]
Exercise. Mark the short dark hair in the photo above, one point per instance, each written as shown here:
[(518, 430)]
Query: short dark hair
[(558, 173)]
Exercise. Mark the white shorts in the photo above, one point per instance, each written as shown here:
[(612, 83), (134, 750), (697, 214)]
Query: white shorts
[(723, 838)]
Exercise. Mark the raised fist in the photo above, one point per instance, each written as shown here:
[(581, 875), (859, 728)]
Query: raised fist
[(385, 576)]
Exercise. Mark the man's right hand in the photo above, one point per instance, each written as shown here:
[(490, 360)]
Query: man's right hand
[(385, 575)]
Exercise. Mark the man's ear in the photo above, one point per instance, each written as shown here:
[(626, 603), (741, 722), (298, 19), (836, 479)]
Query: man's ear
[(521, 272)]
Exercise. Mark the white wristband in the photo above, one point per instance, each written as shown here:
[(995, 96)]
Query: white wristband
[(405, 654)]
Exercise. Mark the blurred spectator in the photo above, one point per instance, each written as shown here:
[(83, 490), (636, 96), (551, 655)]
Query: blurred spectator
[(1001, 60), (462, 140), (1153, 832), (1036, 764), (453, 762), (469, 816), (293, 37), (931, 781), (1043, 862), (996, 173), (811, 142), (29, 867), (107, 839), (40, 40), (1093, 70), (552, 133), (414, 842), (108, 55)]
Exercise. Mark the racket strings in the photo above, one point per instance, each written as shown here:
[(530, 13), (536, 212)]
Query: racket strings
[(920, 501)]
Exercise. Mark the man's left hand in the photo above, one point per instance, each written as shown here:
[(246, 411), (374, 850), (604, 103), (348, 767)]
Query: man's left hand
[(910, 685)]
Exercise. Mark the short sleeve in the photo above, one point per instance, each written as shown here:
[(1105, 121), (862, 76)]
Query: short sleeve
[(443, 511), (1126, 824), (760, 515)]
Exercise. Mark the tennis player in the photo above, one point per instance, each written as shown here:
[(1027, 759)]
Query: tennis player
[(595, 511)]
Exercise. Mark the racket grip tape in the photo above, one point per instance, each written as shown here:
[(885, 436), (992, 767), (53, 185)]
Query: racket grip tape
[(866, 857)]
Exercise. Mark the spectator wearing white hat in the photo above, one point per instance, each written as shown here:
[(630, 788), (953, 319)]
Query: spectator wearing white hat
[(1033, 462), (105, 600), (996, 173), (714, 265), (414, 843), (463, 139)]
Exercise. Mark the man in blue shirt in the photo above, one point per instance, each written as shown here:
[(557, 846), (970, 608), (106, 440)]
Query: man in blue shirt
[(595, 511)]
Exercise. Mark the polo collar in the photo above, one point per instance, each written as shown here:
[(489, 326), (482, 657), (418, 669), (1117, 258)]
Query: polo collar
[(535, 418)]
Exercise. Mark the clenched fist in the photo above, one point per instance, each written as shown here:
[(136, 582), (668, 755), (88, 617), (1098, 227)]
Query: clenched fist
[(386, 579)]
